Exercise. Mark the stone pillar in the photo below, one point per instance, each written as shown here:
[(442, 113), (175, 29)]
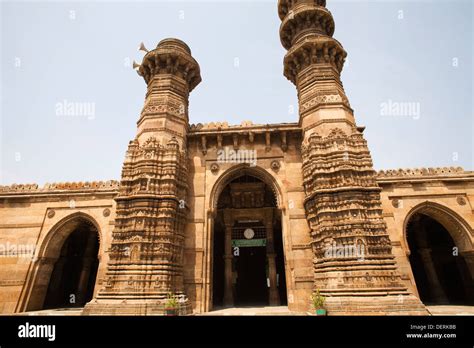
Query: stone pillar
[(56, 275), (84, 279), (467, 272), (469, 258), (274, 295), (228, 288), (87, 262), (436, 289)]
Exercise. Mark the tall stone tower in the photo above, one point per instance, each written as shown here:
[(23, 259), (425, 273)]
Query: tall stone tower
[(146, 256), (353, 261)]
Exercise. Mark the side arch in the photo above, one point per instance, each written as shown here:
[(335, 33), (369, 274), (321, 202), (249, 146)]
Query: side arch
[(457, 227), (439, 274), (55, 237), (48, 252)]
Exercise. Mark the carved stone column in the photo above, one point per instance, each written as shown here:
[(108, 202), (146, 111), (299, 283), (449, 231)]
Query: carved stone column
[(435, 287), (228, 287), (274, 295), (56, 276), (469, 258), (87, 263), (84, 279)]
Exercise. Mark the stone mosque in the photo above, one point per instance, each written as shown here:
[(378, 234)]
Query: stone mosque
[(225, 216)]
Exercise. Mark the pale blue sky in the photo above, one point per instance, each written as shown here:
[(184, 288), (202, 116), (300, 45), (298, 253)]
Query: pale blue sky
[(48, 57)]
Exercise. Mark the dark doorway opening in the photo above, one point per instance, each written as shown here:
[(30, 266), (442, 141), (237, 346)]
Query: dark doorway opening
[(251, 283), (441, 273), (73, 277)]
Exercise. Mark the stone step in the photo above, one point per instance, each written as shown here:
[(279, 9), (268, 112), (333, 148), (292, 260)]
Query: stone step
[(55, 312), (450, 310), (253, 311)]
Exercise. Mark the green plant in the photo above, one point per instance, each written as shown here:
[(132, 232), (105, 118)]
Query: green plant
[(318, 300), (171, 301)]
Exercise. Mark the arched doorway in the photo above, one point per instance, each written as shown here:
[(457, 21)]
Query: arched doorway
[(248, 258), (441, 273), (66, 270), (74, 273)]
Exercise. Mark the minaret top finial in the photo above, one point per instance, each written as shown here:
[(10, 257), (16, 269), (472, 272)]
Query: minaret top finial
[(284, 6), (173, 43), (306, 32), (171, 56)]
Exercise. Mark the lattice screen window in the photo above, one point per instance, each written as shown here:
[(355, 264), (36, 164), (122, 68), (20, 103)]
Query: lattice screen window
[(257, 227)]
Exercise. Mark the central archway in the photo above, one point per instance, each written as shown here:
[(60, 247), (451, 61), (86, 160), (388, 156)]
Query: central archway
[(248, 263)]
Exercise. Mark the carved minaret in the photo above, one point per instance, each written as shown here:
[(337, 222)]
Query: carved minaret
[(146, 255), (353, 261)]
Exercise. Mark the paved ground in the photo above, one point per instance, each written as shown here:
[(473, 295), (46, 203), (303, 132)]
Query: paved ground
[(251, 311), (59, 311), (451, 310), (433, 310), (282, 310)]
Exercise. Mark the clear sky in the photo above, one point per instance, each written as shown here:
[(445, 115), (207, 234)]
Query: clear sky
[(418, 53)]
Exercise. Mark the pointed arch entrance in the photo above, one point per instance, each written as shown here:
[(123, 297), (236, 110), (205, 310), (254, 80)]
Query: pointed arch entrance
[(438, 245), (248, 262), (65, 271)]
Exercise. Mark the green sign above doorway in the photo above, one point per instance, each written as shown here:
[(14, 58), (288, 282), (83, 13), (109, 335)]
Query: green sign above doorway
[(249, 242)]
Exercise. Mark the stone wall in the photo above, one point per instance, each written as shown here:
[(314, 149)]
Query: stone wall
[(31, 216), (445, 194)]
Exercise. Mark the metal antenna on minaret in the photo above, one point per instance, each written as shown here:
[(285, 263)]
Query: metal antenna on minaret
[(135, 65), (142, 47)]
